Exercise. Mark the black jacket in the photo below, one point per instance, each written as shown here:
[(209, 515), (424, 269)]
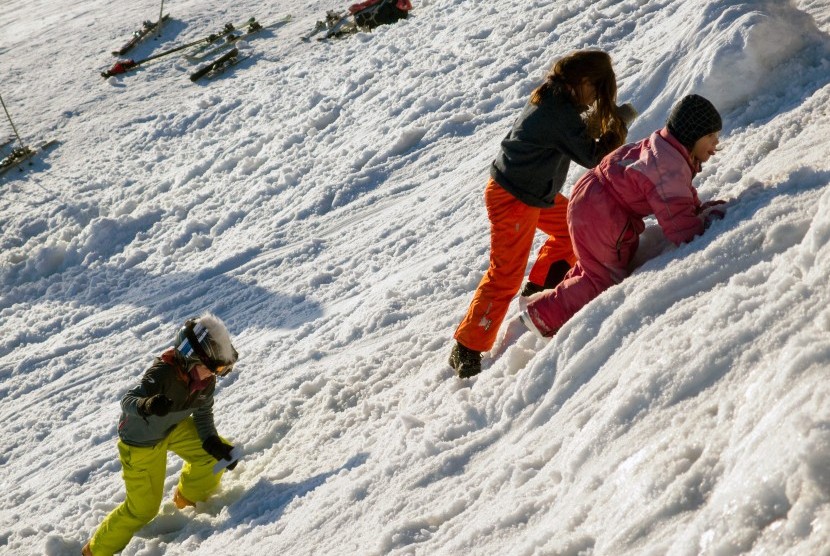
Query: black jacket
[(534, 158)]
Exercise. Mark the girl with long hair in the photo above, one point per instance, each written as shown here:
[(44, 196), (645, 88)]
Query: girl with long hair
[(523, 191)]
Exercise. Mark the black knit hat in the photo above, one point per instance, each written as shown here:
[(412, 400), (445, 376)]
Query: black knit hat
[(692, 118)]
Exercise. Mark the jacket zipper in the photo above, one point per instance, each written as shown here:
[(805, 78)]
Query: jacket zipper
[(620, 239)]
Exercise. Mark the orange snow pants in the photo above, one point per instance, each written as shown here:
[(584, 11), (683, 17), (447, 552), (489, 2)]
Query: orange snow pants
[(512, 227)]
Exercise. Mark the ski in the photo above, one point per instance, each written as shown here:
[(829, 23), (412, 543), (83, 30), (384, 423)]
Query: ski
[(340, 29), (123, 66), (218, 66), (19, 155), (253, 28), (147, 28), (332, 21), (228, 43), (319, 26), (229, 28)]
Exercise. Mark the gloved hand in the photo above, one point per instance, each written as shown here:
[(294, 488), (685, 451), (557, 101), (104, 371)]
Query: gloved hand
[(214, 446), (611, 140), (158, 405), (626, 113), (709, 204), (710, 212), (593, 125)]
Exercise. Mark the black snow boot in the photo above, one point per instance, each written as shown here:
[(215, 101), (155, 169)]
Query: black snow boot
[(530, 289), (465, 361), (556, 273)]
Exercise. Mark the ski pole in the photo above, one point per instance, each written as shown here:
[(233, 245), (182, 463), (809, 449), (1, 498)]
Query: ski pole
[(161, 16), (6, 110)]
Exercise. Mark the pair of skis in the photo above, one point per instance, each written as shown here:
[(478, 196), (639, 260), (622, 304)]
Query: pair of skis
[(230, 58), (219, 65), (20, 154), (336, 24), (204, 46), (207, 51)]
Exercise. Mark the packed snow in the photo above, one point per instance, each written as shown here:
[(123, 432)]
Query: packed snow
[(326, 200)]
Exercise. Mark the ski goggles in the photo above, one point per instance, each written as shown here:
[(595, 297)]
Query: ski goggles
[(222, 370), (194, 335)]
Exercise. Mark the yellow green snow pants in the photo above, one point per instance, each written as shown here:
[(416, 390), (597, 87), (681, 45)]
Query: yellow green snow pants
[(144, 471)]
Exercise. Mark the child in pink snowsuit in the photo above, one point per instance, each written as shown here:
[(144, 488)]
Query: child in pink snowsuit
[(608, 204)]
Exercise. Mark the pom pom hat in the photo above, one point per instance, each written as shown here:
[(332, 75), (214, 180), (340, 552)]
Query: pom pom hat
[(692, 118), (206, 340)]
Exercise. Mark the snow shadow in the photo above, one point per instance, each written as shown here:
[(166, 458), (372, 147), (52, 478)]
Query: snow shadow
[(155, 43), (36, 164), (604, 326), (265, 502), (161, 298), (225, 295), (745, 74), (757, 196)]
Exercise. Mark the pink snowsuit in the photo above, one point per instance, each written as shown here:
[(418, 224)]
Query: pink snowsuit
[(605, 220)]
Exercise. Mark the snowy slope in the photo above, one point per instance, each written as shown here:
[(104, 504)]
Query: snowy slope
[(326, 201)]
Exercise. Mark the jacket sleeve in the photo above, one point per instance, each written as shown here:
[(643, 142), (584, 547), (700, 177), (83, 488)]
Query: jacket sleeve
[(570, 136), (150, 385), (203, 419), (674, 202)]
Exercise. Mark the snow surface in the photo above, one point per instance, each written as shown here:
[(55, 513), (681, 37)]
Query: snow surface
[(326, 200)]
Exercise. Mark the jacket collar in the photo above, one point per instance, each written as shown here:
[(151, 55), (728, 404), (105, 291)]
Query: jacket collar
[(188, 376), (669, 138), (197, 384)]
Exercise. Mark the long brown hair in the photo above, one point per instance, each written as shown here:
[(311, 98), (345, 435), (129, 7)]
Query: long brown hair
[(593, 65)]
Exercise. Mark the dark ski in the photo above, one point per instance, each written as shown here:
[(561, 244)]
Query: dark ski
[(147, 28), (218, 66)]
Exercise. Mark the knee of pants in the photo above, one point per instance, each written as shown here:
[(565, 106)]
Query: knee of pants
[(143, 510)]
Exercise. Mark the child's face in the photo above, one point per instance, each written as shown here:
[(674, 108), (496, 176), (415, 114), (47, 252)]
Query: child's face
[(203, 372), (586, 93), (705, 147)]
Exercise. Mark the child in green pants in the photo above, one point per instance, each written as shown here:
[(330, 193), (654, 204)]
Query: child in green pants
[(170, 410)]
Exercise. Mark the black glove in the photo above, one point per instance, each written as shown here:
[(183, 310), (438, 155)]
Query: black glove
[(710, 211), (214, 446), (158, 405)]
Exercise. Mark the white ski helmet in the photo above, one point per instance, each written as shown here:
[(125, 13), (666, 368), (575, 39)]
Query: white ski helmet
[(206, 340)]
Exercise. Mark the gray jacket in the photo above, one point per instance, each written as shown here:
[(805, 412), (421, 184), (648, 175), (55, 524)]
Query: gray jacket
[(165, 378), (534, 158)]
